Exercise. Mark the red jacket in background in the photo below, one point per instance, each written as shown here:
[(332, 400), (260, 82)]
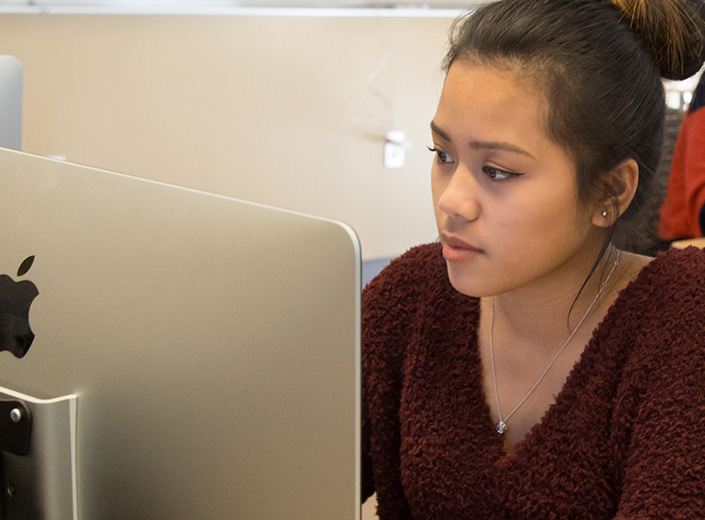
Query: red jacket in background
[(683, 212)]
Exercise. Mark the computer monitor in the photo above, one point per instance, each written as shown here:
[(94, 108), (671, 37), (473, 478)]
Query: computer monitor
[(210, 346), (10, 102)]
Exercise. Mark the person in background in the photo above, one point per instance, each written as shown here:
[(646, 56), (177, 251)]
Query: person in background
[(682, 214), (526, 365)]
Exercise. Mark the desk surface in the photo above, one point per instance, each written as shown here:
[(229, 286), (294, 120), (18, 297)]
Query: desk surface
[(697, 242)]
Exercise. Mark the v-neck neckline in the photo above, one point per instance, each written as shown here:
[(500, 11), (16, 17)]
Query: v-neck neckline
[(598, 333)]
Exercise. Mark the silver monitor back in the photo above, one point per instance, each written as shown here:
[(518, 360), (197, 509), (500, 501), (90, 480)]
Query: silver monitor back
[(10, 102), (213, 344)]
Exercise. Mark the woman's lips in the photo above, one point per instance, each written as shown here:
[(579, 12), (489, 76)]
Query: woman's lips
[(457, 250)]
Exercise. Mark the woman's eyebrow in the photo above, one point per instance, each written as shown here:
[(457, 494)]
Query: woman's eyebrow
[(484, 145), (498, 145), (436, 130)]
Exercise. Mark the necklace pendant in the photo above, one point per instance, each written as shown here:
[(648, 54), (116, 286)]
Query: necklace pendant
[(501, 428)]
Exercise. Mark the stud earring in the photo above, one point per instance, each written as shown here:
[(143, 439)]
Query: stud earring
[(604, 213)]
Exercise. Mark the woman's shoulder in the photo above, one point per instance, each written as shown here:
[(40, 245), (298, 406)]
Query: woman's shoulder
[(419, 266), (409, 284), (664, 307), (675, 273), (390, 304), (424, 257), (691, 256)]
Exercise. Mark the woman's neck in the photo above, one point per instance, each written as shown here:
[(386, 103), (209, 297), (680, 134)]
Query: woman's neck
[(547, 312)]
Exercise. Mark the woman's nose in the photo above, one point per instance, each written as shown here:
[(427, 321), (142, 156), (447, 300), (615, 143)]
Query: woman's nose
[(459, 199)]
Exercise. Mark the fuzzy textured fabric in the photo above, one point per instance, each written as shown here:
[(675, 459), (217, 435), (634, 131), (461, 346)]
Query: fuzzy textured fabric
[(624, 439)]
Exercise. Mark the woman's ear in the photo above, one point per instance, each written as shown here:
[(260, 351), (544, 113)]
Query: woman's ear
[(618, 189)]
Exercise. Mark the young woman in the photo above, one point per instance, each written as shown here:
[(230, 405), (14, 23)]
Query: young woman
[(526, 367)]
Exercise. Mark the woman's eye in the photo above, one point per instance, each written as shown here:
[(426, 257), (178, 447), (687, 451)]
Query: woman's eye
[(441, 157), (497, 174)]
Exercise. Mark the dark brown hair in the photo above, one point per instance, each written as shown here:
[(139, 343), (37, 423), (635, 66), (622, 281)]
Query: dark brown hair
[(599, 65)]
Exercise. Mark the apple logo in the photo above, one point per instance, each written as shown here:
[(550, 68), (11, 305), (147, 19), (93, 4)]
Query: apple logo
[(15, 301)]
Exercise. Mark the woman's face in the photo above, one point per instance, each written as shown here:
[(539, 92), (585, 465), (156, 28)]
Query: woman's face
[(505, 195)]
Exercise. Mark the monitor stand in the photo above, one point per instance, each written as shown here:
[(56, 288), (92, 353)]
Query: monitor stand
[(38, 445)]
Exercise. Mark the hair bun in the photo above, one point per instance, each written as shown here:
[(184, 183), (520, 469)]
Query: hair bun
[(673, 32)]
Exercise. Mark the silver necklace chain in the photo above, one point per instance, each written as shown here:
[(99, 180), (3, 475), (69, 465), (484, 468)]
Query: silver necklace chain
[(501, 425)]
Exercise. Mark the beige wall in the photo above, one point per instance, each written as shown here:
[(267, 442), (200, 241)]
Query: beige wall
[(270, 109)]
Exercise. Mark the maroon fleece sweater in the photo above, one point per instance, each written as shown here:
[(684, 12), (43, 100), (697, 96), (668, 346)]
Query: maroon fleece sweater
[(624, 439)]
